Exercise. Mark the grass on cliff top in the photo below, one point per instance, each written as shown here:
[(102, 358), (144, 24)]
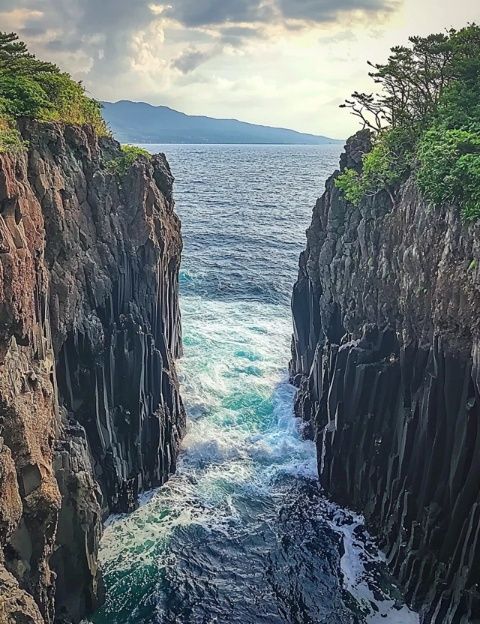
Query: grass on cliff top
[(10, 139), (37, 89), (130, 153), (424, 121)]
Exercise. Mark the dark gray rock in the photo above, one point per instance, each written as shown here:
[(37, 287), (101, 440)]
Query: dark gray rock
[(90, 412), (386, 358)]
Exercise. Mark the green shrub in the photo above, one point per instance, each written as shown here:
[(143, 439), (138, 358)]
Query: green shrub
[(449, 168), (383, 167), (130, 153), (21, 96), (460, 107), (69, 103), (10, 138), (350, 182)]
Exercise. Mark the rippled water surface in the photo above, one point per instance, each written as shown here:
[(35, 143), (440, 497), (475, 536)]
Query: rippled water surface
[(241, 534)]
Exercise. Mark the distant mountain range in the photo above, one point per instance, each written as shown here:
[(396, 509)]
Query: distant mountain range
[(138, 122)]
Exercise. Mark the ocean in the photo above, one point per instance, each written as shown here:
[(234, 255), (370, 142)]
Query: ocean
[(242, 534)]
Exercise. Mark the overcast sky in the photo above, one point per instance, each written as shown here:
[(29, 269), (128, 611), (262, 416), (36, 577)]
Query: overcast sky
[(278, 62)]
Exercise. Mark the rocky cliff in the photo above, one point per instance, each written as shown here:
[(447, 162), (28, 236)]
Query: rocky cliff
[(90, 412), (386, 354)]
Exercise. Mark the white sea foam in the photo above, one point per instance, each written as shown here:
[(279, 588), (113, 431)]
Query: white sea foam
[(360, 552)]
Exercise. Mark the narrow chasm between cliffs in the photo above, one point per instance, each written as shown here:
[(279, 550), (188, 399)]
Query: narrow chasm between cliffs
[(242, 532)]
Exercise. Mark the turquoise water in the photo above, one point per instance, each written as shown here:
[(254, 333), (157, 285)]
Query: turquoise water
[(242, 534)]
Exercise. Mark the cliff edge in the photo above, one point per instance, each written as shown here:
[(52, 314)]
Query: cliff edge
[(90, 412), (386, 355)]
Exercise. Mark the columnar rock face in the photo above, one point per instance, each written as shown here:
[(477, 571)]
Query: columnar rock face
[(386, 354), (90, 412)]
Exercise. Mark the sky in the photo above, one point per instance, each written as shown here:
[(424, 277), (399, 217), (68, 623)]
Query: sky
[(287, 63)]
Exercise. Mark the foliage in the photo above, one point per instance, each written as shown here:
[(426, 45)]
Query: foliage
[(70, 104), (16, 59), (21, 96), (414, 78), (426, 119), (33, 88), (130, 153), (351, 183), (10, 139), (378, 173), (383, 167), (449, 168)]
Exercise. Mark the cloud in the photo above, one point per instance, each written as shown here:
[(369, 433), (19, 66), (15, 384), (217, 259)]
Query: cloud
[(117, 20), (319, 11), (208, 13), (191, 58), (236, 36), (186, 53), (216, 12), (101, 30)]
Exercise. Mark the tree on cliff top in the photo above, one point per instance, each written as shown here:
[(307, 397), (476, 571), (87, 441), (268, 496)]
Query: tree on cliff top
[(411, 83), (15, 57), (30, 87), (426, 119)]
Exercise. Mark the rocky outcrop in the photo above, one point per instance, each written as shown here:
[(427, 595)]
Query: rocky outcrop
[(90, 413), (386, 354)]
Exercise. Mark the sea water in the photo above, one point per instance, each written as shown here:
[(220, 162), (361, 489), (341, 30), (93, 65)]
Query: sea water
[(242, 533)]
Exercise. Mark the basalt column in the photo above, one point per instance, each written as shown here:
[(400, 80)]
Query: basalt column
[(386, 357), (89, 332)]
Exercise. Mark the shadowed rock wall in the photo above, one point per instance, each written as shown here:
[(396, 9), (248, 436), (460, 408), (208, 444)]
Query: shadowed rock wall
[(387, 360), (90, 413)]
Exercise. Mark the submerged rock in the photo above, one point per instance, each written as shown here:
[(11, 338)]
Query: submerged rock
[(386, 357), (90, 412)]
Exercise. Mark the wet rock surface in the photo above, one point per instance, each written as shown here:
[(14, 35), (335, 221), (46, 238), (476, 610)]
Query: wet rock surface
[(90, 413), (386, 357)]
